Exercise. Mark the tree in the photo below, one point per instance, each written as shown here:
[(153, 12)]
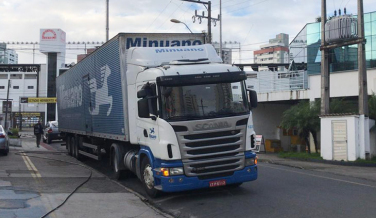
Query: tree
[(372, 106), (305, 117)]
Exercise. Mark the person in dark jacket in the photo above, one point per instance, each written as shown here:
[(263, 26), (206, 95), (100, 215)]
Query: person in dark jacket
[(38, 132)]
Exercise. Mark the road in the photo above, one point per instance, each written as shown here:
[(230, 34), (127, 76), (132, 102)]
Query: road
[(279, 192), (33, 183)]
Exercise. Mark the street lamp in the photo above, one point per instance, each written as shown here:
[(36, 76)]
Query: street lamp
[(178, 21)]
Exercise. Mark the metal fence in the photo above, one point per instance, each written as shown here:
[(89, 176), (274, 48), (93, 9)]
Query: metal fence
[(275, 81)]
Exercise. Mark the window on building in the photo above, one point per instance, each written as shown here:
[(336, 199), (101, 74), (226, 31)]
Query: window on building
[(16, 76), (30, 76), (3, 76), (30, 87), (2, 87), (16, 87)]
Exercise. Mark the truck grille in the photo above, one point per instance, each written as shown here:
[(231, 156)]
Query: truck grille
[(209, 153)]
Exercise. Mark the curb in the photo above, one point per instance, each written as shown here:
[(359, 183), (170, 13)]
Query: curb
[(341, 163), (333, 162)]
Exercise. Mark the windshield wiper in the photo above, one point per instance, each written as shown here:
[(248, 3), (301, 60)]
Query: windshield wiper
[(193, 60), (186, 117)]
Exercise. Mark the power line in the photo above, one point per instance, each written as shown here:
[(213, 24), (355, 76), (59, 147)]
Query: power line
[(158, 16)]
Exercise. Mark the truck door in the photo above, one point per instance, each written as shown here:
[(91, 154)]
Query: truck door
[(87, 104), (147, 129)]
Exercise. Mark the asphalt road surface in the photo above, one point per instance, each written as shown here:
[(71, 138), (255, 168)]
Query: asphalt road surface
[(279, 191)]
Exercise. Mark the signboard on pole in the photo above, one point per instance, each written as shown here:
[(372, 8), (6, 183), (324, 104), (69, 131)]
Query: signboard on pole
[(24, 100), (5, 106), (42, 100), (259, 141)]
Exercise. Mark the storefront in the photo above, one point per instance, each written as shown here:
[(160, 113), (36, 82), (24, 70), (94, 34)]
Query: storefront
[(29, 119)]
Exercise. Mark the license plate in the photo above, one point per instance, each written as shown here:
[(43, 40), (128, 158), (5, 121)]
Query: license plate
[(217, 183)]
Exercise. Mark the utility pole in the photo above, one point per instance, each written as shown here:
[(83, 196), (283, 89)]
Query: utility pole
[(107, 19), (325, 76), (209, 23), (325, 79), (363, 91), (209, 17), (6, 107), (220, 28)]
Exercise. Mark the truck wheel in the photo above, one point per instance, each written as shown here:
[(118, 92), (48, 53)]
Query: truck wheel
[(148, 178), (73, 146), (118, 174), (69, 145)]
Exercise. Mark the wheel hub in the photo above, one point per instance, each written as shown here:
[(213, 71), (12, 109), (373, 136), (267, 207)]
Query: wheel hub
[(148, 177)]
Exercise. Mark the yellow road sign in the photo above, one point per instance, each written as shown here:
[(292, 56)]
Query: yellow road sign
[(41, 100)]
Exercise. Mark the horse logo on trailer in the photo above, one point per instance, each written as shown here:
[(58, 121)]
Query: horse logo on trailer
[(101, 94)]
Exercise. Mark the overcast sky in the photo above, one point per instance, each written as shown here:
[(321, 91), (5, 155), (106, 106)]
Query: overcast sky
[(250, 22)]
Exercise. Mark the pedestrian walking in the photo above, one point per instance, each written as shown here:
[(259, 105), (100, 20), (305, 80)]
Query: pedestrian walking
[(38, 132)]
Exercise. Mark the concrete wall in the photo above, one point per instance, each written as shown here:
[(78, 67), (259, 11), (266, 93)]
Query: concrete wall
[(267, 118), (342, 84)]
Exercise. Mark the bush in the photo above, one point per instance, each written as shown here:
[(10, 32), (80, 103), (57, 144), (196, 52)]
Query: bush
[(14, 132)]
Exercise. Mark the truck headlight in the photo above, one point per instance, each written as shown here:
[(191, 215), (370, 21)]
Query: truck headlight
[(251, 161), (176, 171), (170, 171)]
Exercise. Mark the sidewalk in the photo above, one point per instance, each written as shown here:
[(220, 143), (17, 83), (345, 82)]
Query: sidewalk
[(100, 197), (367, 173)]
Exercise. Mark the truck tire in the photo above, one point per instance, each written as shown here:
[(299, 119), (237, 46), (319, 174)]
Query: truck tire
[(148, 178), (69, 145), (118, 174), (73, 146)]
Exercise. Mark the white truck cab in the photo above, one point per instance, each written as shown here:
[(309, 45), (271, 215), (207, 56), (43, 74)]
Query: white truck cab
[(192, 119)]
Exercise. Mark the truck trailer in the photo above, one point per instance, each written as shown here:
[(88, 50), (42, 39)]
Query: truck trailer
[(161, 106)]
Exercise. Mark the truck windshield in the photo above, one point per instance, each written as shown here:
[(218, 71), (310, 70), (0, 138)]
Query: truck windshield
[(203, 101)]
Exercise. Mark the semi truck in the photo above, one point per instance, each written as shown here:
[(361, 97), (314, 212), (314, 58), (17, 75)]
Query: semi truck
[(161, 106)]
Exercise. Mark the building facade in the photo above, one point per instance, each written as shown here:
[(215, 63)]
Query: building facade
[(305, 50), (24, 81), (305, 47), (7, 56), (276, 51)]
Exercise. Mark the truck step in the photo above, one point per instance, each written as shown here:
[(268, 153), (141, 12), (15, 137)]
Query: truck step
[(88, 155), (89, 145)]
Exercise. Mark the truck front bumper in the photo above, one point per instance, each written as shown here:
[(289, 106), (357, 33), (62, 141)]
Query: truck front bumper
[(183, 183)]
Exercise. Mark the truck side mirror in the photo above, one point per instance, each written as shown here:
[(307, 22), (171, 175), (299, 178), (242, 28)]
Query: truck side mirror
[(252, 98), (143, 108), (142, 93)]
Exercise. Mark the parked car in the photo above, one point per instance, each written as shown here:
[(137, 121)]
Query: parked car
[(51, 132), (4, 142)]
